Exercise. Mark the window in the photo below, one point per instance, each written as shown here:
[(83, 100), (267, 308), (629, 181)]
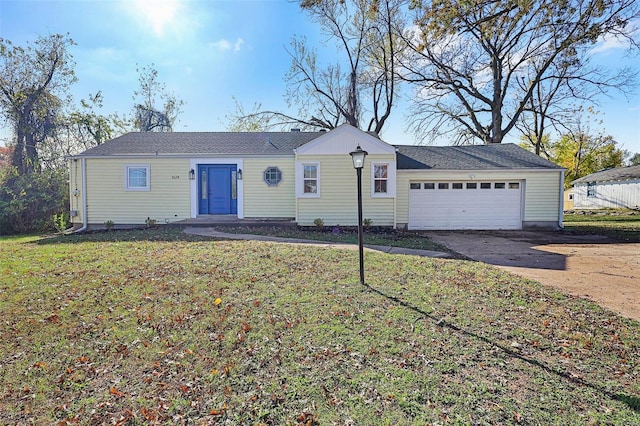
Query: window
[(514, 185), (499, 185), (485, 185), (570, 197), (472, 185), (414, 186), (430, 185), (456, 185), (380, 178), (272, 176), (443, 186), (137, 178), (310, 178), (591, 189)]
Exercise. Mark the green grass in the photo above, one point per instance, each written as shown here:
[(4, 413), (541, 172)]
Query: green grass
[(147, 327), (375, 236), (623, 225)]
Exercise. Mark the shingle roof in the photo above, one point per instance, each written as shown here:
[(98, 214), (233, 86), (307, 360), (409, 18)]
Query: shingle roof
[(204, 143), (470, 157), (467, 157), (621, 173)]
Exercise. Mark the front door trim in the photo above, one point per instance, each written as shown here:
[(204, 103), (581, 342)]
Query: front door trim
[(193, 184)]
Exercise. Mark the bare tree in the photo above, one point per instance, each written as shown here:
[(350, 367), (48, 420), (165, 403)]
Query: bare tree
[(360, 88), (468, 58), (553, 104), (147, 115), (32, 81)]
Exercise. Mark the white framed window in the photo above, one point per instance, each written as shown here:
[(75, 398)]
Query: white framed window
[(380, 178), (310, 174), (591, 189), (137, 177), (383, 180), (307, 180)]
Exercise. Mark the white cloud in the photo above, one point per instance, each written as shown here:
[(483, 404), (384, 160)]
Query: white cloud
[(224, 45), (608, 43), (238, 45)]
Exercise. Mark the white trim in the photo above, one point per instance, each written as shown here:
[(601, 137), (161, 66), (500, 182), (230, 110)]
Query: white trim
[(127, 186), (193, 184), (300, 179)]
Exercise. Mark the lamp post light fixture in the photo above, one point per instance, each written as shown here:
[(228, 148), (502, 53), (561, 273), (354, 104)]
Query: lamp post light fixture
[(358, 157)]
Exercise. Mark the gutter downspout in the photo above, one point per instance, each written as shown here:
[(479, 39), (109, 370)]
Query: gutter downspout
[(83, 172), (561, 212)]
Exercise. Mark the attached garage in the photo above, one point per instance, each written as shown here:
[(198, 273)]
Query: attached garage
[(480, 187), (465, 205)]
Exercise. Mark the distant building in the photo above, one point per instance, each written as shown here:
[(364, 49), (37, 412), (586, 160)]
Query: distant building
[(613, 188)]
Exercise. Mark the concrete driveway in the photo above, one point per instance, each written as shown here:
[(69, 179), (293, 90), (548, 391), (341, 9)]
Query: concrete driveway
[(592, 267)]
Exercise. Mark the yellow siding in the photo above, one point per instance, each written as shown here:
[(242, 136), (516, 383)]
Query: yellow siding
[(338, 202), (261, 200), (167, 200), (541, 189)]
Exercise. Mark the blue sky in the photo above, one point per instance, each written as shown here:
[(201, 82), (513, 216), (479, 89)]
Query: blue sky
[(207, 53)]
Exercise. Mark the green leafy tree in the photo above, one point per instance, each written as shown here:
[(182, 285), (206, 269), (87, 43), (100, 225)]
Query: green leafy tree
[(582, 154), (477, 64), (635, 159)]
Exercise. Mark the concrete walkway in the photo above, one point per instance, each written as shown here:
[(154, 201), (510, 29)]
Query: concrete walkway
[(211, 232)]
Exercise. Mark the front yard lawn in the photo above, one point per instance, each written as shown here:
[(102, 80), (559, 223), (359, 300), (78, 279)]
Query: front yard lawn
[(148, 327)]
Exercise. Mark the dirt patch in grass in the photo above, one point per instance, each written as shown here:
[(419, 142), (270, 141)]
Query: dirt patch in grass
[(138, 328)]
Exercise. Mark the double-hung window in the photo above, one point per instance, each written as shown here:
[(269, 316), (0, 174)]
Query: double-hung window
[(310, 174), (380, 178), (137, 177), (383, 180)]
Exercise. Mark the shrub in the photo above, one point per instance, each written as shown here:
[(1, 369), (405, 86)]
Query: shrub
[(319, 223), (28, 202), (61, 221)]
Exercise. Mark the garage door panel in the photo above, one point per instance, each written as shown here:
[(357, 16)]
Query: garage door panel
[(465, 208)]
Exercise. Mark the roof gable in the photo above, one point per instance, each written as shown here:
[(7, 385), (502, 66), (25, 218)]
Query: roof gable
[(470, 157), (344, 139)]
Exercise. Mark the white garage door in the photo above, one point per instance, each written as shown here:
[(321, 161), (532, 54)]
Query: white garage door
[(465, 205)]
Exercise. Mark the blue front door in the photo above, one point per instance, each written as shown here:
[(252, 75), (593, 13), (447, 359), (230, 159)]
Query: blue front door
[(217, 189)]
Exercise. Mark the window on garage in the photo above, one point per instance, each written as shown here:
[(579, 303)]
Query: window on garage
[(485, 185), (430, 185), (456, 185), (472, 185), (499, 185), (414, 185), (514, 185), (443, 185)]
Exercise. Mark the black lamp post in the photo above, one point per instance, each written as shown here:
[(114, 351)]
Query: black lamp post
[(358, 157)]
